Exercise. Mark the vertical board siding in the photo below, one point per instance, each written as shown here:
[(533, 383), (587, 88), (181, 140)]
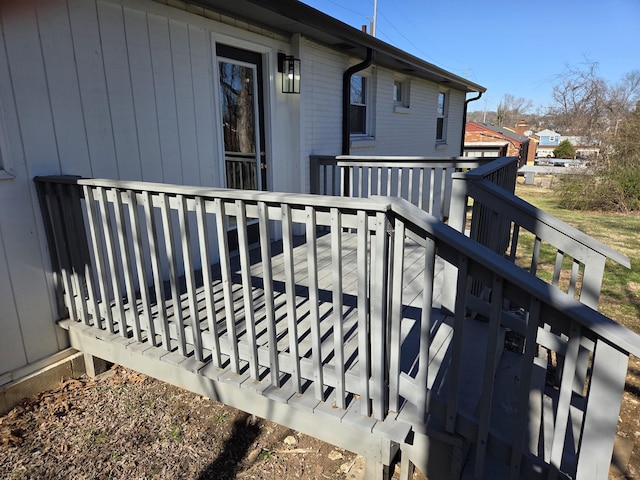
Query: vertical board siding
[(143, 91), (32, 147), (87, 46), (119, 91), (62, 79), (95, 89)]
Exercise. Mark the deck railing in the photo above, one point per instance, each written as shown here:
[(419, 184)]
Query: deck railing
[(545, 246), (423, 181), (135, 260)]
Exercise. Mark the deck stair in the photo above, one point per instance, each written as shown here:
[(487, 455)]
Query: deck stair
[(365, 322)]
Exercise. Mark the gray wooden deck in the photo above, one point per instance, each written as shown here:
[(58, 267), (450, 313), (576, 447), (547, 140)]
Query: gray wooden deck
[(331, 324), (284, 402)]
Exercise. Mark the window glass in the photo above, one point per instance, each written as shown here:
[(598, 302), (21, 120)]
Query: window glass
[(397, 91), (358, 108), (441, 122)]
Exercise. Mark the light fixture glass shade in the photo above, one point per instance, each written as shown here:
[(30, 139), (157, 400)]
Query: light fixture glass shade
[(289, 67)]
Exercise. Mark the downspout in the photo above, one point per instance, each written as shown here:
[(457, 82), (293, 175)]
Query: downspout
[(464, 120), (346, 98)]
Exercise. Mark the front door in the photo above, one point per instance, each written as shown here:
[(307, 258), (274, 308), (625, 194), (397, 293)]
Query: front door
[(242, 109)]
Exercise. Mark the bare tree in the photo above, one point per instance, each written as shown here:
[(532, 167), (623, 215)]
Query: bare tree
[(586, 105), (512, 109)]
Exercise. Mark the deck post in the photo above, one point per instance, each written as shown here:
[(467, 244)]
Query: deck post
[(457, 220)]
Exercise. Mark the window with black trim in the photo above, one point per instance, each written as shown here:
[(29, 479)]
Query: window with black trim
[(441, 121), (358, 107)]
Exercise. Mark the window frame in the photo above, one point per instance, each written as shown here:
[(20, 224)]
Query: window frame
[(442, 117), (365, 96), (402, 86)]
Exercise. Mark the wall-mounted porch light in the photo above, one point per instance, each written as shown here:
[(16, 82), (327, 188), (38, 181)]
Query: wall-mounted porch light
[(289, 67)]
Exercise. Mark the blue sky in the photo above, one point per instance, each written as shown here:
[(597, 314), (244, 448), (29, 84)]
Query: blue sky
[(508, 46)]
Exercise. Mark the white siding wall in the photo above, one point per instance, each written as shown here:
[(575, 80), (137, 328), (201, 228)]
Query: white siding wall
[(121, 90), (412, 132)]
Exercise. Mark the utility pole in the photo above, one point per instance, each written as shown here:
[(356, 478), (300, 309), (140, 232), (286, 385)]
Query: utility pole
[(375, 18)]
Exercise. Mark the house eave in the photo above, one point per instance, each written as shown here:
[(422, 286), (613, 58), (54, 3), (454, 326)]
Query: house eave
[(293, 16)]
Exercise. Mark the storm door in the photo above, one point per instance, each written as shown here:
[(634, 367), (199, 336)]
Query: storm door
[(240, 74), (242, 110)]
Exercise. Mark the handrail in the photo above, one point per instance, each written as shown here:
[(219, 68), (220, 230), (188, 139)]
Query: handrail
[(453, 244), (494, 206)]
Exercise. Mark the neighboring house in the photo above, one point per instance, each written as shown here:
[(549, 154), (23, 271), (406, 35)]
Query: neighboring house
[(487, 140), (549, 140), (187, 94), (585, 148)]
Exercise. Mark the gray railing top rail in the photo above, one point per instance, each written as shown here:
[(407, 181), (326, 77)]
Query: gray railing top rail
[(379, 204), (558, 305), (489, 167), (530, 216)]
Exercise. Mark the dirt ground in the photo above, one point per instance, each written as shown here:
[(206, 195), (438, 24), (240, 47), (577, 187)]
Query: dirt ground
[(125, 425)]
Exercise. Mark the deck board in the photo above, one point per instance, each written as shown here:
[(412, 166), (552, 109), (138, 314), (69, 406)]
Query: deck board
[(412, 299)]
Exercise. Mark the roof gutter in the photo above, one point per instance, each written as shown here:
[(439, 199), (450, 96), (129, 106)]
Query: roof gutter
[(464, 120), (346, 98)]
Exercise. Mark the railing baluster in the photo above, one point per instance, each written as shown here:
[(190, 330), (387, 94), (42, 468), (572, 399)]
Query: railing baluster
[(421, 188), (395, 293), (490, 364), (187, 259), (564, 400), (389, 192), (575, 270), (111, 257), (227, 283), (399, 182), (53, 204), (557, 269), (267, 281), (369, 180), (88, 302), (410, 193), (379, 187), (364, 344), (207, 279), (337, 297), (247, 288), (422, 377), (156, 268), (290, 291), (535, 256), (601, 415), (125, 256), (72, 239), (93, 305), (453, 399), (527, 390), (513, 249), (170, 248), (314, 313), (360, 181), (140, 265)]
